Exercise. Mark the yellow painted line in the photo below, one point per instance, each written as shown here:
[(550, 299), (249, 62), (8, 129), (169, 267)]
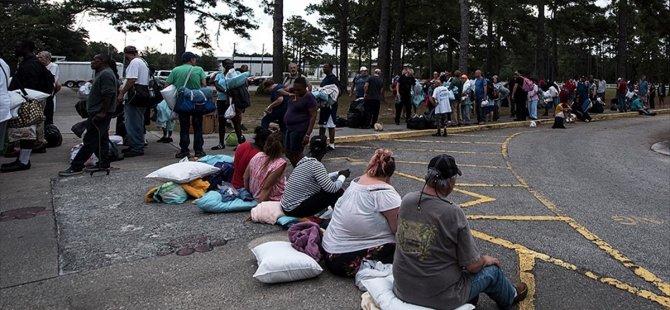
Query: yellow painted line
[(425, 163), (448, 142), (522, 250), (515, 217), (420, 150), (490, 185), (526, 266), (640, 271), (479, 198), (505, 144)]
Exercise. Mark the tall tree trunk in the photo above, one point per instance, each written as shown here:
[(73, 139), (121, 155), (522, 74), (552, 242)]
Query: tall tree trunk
[(622, 49), (344, 43), (278, 41), (396, 61), (465, 36), (554, 45), (489, 39), (429, 46), (360, 56), (540, 48), (383, 50), (180, 32)]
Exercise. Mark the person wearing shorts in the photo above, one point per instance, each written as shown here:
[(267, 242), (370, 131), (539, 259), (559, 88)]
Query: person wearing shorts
[(299, 120), (328, 115)]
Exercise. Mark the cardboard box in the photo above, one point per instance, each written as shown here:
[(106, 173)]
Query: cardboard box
[(210, 124)]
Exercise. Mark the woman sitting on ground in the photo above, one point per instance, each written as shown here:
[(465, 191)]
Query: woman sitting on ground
[(310, 188), (264, 177), (245, 152), (364, 220)]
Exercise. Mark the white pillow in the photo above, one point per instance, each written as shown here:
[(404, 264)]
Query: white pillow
[(183, 172), (279, 262), (381, 290)]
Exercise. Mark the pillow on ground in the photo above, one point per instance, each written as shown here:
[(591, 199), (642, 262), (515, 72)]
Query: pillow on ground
[(381, 290), (212, 202), (279, 262), (267, 212), (183, 172)]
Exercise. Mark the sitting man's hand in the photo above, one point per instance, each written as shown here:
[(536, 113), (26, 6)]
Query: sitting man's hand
[(346, 173), (488, 261)]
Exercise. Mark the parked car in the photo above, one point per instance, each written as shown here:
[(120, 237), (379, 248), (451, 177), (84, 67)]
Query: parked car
[(162, 74)]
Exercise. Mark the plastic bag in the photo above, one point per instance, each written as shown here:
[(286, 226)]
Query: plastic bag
[(170, 96), (171, 193), (230, 112), (84, 90), (372, 269)]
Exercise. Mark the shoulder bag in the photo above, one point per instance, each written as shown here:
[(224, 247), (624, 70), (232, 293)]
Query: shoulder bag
[(30, 113), (194, 101), (145, 96)]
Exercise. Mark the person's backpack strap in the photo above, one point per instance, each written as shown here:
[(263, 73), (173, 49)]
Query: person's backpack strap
[(188, 76)]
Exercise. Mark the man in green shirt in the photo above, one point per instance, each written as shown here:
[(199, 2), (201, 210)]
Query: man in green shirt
[(196, 79)]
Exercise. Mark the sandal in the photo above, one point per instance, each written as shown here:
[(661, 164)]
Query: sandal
[(220, 146)]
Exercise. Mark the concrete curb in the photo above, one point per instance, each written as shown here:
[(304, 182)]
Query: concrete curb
[(418, 133)]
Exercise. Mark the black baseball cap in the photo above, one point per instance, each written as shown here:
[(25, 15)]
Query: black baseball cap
[(445, 165), (317, 144)]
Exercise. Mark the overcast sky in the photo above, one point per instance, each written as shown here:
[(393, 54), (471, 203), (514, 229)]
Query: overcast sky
[(100, 30)]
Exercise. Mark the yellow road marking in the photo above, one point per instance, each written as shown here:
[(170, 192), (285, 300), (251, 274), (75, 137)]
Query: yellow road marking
[(490, 185), (420, 150), (448, 142), (522, 250), (425, 163), (526, 266), (640, 271), (515, 217), (480, 198)]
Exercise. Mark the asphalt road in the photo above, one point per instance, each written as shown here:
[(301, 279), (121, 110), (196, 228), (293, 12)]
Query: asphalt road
[(580, 214)]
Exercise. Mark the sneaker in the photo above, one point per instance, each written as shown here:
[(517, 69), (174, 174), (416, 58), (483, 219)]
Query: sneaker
[(330, 147), (146, 142), (132, 153), (96, 168), (521, 291), (168, 140), (220, 146), (241, 140), (70, 172), (182, 154), (161, 140), (14, 166), (10, 163), (200, 154)]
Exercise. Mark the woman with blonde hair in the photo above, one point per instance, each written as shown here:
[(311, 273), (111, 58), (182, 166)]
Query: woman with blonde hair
[(364, 220), (265, 176)]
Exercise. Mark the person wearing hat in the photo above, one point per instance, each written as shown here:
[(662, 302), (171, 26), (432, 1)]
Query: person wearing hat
[(178, 77), (437, 263), (137, 73), (310, 188), (358, 85)]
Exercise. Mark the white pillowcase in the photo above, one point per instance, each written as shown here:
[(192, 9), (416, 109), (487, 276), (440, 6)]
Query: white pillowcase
[(183, 172), (381, 290), (279, 262)]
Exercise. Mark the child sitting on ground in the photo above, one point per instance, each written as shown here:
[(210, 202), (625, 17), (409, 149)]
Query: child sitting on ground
[(562, 112)]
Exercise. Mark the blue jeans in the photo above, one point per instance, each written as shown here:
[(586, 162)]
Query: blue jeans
[(622, 102), (478, 109), (277, 116), (466, 110), (493, 282), (134, 127), (185, 122), (532, 109)]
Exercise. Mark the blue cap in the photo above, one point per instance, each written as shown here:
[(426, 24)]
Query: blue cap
[(188, 56)]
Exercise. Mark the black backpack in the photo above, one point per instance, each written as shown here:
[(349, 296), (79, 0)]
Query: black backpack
[(52, 135)]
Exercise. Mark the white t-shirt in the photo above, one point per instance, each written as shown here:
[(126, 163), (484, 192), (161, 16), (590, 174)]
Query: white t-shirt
[(53, 68), (441, 95), (138, 69), (602, 86), (5, 103), (358, 222)]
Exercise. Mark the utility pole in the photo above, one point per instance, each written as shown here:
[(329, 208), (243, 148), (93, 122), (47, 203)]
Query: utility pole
[(262, 57)]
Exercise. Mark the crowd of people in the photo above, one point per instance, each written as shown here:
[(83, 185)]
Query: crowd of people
[(457, 99)]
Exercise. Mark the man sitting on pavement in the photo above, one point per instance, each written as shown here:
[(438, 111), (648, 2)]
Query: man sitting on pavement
[(437, 263)]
